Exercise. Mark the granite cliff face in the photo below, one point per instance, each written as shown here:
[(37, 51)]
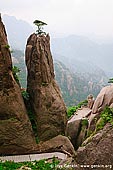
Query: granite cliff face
[(16, 134), (99, 151), (45, 97)]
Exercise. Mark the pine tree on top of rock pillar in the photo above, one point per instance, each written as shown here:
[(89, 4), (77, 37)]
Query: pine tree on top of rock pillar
[(45, 97)]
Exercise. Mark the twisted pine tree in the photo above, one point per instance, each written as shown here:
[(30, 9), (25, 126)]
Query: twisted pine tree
[(40, 25)]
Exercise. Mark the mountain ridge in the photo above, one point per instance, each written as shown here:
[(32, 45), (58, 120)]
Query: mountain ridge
[(79, 48), (70, 51)]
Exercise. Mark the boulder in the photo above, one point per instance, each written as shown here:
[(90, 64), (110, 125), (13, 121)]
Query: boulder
[(57, 144), (72, 131), (99, 151), (90, 100), (45, 96), (16, 135), (104, 98), (82, 134), (77, 126)]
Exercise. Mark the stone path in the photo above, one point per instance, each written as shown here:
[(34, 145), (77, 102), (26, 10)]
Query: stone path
[(33, 157), (81, 113)]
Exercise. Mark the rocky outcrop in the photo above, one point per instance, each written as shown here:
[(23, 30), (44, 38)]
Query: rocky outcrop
[(97, 148), (57, 144), (16, 134), (104, 98), (90, 100), (72, 131), (99, 151), (46, 100), (77, 126)]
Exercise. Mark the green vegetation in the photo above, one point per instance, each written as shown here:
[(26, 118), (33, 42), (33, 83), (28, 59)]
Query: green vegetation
[(110, 80), (16, 71), (25, 95), (35, 165), (89, 133), (40, 25), (7, 46), (32, 119), (85, 122), (105, 117), (30, 113), (73, 109), (100, 124)]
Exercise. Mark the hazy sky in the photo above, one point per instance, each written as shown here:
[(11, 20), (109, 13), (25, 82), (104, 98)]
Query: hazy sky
[(83, 17)]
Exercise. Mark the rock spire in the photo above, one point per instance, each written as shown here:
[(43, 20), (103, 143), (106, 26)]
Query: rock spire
[(45, 96), (16, 135)]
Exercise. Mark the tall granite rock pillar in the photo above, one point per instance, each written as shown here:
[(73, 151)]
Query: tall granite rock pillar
[(16, 134), (46, 100)]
